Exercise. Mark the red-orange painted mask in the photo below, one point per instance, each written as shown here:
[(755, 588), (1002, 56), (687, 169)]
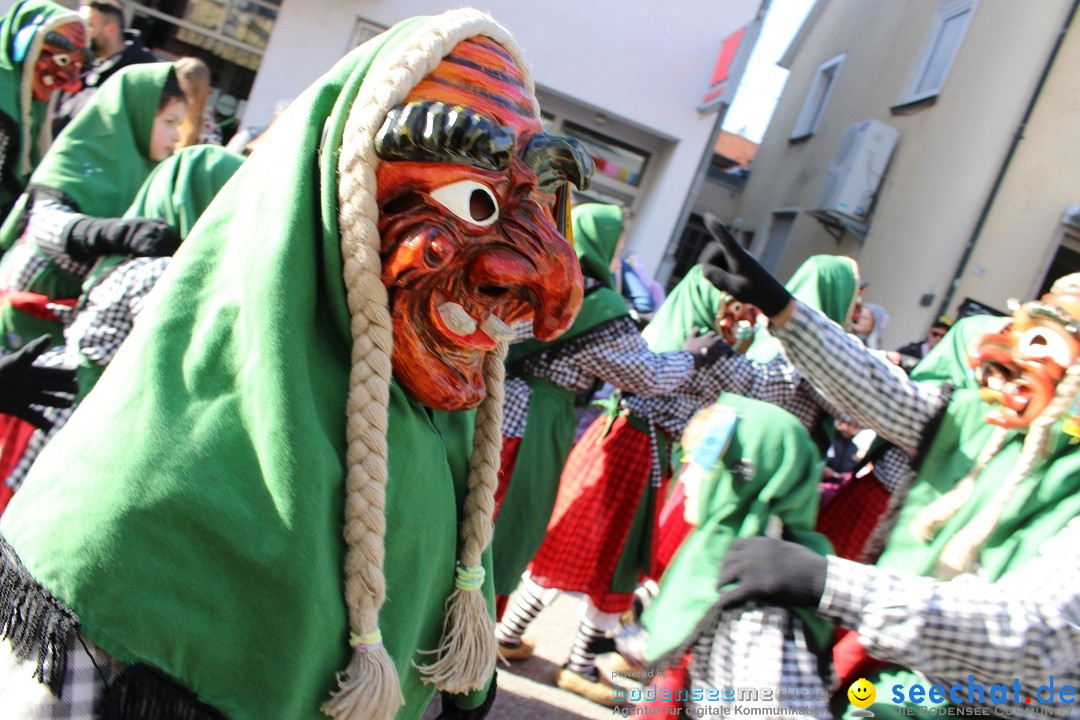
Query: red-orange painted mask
[(1020, 366), (59, 64), (473, 215), (737, 322)]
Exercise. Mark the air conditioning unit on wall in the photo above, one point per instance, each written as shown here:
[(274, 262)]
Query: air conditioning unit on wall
[(856, 170)]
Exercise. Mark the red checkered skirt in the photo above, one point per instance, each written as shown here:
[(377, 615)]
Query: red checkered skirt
[(604, 479), (849, 518)]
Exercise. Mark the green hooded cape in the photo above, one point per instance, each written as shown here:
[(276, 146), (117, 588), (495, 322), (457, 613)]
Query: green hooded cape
[(947, 361), (202, 536), (783, 482), (23, 14), (549, 427), (827, 283), (177, 191), (692, 303), (1041, 506)]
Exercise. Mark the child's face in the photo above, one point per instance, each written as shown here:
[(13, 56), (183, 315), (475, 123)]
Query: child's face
[(166, 133)]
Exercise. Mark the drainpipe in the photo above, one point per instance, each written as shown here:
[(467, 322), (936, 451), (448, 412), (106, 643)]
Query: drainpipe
[(974, 239)]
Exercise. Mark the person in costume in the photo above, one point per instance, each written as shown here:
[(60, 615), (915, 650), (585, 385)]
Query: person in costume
[(544, 382), (321, 345), (975, 584), (70, 214), (41, 52), (751, 470), (177, 192), (606, 490)]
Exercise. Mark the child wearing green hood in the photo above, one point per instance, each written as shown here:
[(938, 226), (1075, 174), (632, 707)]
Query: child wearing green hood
[(70, 214)]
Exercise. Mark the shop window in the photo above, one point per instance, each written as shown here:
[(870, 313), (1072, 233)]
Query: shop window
[(363, 31), (614, 160)]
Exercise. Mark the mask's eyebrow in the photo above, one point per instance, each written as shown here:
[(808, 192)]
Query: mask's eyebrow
[(436, 132), (556, 159), (57, 40), (1037, 308)]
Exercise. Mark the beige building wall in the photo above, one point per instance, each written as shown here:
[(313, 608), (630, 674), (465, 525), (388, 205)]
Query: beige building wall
[(945, 161)]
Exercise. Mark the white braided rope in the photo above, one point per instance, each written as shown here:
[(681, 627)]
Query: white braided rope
[(386, 85)]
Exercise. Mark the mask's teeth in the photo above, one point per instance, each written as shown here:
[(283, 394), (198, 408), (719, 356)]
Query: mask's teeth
[(496, 329), (456, 318)]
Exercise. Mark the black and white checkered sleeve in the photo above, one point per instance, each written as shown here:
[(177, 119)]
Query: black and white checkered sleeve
[(874, 393), (1026, 625), (619, 355), (106, 319), (49, 218)]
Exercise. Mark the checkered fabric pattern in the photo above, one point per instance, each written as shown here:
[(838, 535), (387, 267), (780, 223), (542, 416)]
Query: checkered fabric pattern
[(757, 647), (876, 394), (44, 232), (88, 671), (851, 515), (1024, 626), (111, 307), (602, 483), (776, 382), (613, 352)]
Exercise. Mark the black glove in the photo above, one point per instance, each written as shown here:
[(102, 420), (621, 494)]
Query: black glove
[(450, 711), (88, 238), (772, 571), (730, 268), (23, 384)]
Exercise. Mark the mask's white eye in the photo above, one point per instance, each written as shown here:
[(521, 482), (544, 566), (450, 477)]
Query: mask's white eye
[(1045, 343), (469, 200), (62, 60)]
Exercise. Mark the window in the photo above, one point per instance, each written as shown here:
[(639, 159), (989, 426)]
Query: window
[(363, 31), (937, 56), (775, 243), (817, 98)]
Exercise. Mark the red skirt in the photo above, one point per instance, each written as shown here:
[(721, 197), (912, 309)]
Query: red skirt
[(14, 437), (604, 480), (671, 530), (849, 518), (507, 462)]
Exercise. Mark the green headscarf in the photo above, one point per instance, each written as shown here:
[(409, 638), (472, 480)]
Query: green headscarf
[(178, 190), (692, 303), (16, 77), (824, 282), (947, 361), (777, 473), (181, 187), (597, 229), (102, 157), (203, 535)]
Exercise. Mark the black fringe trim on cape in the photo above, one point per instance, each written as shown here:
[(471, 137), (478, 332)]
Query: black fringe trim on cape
[(142, 693), (38, 626)]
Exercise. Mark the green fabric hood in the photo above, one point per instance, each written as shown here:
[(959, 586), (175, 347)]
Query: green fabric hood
[(203, 536), (777, 470), (692, 303), (827, 283), (597, 229)]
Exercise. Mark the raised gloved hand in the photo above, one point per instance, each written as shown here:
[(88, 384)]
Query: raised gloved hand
[(450, 711), (730, 268), (23, 384), (706, 348), (772, 571), (88, 238)]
